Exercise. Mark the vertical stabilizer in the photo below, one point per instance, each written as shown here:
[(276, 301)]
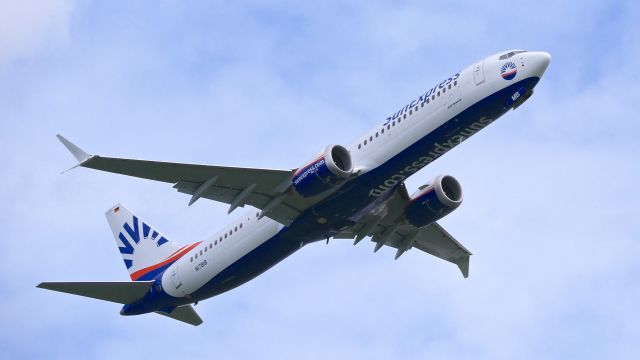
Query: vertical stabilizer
[(145, 251)]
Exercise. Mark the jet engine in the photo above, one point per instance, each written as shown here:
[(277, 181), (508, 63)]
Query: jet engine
[(434, 201), (331, 168)]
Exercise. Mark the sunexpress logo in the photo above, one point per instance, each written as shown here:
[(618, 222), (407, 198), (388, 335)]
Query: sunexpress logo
[(421, 99), (311, 169), (439, 148), (133, 231)]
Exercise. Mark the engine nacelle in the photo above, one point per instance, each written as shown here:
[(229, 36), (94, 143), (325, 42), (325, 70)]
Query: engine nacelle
[(332, 168), (434, 201)]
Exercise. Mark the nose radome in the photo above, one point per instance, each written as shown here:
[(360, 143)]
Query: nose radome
[(541, 62)]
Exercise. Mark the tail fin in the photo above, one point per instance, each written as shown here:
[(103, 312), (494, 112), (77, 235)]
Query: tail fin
[(144, 250)]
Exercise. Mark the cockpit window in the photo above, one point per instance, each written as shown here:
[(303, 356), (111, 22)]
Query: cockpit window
[(510, 54)]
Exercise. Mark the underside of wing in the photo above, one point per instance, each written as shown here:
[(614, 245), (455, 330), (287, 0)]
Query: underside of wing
[(266, 189), (386, 228), (436, 241)]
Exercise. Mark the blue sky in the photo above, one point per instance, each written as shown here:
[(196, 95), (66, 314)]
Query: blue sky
[(550, 189)]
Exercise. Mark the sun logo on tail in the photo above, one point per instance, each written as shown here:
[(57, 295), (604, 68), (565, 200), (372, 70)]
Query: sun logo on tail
[(134, 236), (509, 70)]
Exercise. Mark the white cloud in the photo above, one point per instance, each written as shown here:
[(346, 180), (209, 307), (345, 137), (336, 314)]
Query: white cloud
[(549, 201), (30, 26)]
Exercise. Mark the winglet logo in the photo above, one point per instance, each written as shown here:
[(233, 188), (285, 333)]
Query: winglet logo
[(509, 70), (133, 232)]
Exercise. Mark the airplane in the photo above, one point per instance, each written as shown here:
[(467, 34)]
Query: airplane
[(348, 192)]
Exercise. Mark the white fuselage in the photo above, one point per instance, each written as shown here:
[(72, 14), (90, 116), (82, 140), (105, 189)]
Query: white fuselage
[(399, 131), (218, 252)]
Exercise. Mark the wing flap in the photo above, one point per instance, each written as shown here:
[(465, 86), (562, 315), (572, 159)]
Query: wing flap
[(115, 291), (283, 213)]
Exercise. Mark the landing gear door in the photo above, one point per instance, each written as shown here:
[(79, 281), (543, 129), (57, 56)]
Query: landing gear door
[(478, 72)]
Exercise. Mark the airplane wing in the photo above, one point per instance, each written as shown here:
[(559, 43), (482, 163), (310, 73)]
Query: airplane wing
[(266, 189), (385, 229), (269, 190)]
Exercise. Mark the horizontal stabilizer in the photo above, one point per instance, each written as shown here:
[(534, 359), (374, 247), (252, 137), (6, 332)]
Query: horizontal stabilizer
[(114, 291), (185, 314)]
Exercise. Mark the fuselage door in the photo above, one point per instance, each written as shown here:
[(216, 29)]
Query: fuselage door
[(478, 72), (175, 278), (453, 95)]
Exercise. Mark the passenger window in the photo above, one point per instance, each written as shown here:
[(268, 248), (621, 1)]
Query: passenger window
[(200, 252), (438, 93), (393, 123), (230, 232), (427, 100), (370, 138), (235, 229), (216, 242), (388, 127), (416, 109), (206, 248), (455, 83), (192, 259), (240, 225), (444, 90), (359, 146), (422, 104), (399, 119), (225, 236), (433, 97), (211, 245), (404, 116), (410, 112), (196, 256), (376, 134), (365, 141), (382, 131), (449, 86)]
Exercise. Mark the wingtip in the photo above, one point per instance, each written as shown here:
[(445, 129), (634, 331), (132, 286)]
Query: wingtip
[(463, 265), (77, 152)]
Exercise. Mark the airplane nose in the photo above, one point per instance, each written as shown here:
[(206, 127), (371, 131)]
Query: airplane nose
[(541, 62)]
